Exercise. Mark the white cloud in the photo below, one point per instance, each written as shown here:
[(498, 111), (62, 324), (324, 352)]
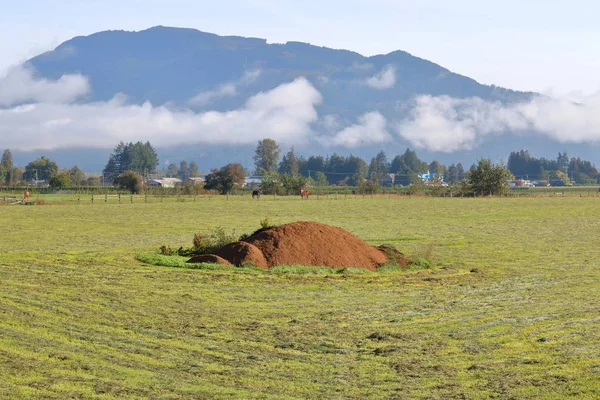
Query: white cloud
[(285, 114), (448, 124), (384, 79), (20, 85), (225, 90), (204, 98), (371, 128)]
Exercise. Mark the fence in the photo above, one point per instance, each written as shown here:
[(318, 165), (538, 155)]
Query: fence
[(107, 197)]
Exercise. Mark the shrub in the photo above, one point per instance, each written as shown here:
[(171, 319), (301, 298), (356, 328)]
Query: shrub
[(207, 242), (129, 180), (266, 223), (489, 179)]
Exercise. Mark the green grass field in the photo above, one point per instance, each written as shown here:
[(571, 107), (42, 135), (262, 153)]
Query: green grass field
[(510, 309)]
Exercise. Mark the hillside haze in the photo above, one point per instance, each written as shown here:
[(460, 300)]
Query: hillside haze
[(201, 71)]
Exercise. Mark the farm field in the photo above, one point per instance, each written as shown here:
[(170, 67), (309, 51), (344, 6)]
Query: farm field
[(510, 309)]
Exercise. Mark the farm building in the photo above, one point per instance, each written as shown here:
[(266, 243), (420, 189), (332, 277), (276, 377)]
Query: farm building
[(388, 180), (164, 182), (199, 180)]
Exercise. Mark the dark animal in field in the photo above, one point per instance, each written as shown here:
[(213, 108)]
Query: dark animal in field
[(256, 194), (304, 193)]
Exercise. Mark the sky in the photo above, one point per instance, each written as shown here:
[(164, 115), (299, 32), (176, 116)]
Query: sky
[(545, 46)]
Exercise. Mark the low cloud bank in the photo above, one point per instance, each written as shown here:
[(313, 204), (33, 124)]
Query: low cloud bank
[(20, 85), (38, 113), (448, 124), (285, 113), (370, 129)]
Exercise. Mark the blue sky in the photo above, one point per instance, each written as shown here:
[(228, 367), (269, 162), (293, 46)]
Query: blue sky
[(547, 46)]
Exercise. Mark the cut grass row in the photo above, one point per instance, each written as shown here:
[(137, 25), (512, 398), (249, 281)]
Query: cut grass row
[(509, 311)]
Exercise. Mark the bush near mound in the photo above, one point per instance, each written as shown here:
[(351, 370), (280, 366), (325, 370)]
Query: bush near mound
[(308, 244)]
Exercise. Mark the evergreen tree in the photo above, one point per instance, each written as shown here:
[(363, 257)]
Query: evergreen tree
[(172, 170), (562, 162), (379, 167), (289, 163), (461, 172), (138, 157), (193, 170), (266, 156), (184, 171), (6, 167), (451, 175)]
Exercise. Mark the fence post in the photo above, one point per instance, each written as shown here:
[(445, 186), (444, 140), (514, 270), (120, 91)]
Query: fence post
[(106, 198), (119, 198)]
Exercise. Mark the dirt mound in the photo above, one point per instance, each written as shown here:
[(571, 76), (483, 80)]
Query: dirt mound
[(312, 243), (239, 253), (309, 244), (208, 258)]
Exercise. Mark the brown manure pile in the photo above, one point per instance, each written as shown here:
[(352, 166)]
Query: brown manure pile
[(308, 244)]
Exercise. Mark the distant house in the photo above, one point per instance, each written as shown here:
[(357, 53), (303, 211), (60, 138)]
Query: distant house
[(429, 176), (253, 181), (388, 180), (164, 182), (198, 180)]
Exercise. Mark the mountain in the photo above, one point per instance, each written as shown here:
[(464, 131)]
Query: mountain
[(164, 64), (187, 68)]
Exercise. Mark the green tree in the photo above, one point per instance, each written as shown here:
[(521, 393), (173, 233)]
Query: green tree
[(562, 162), (6, 167), (60, 181), (320, 179), (172, 170), (76, 176), (266, 156), (226, 178), (461, 172), (313, 164), (93, 181), (139, 157), (270, 183), (129, 180), (293, 183), (407, 167), (559, 178), (451, 175), (379, 167), (289, 163), (193, 170), (489, 178), (42, 168), (435, 167), (184, 171)]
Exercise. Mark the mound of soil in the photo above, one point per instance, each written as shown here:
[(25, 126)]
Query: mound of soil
[(239, 253), (308, 244), (209, 259)]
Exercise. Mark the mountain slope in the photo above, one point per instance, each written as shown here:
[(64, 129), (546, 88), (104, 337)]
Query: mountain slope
[(173, 64)]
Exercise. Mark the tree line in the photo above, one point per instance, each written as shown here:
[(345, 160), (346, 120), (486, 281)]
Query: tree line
[(292, 172)]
